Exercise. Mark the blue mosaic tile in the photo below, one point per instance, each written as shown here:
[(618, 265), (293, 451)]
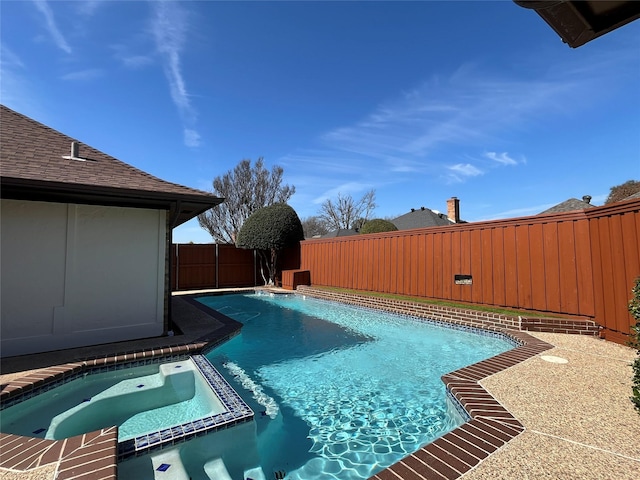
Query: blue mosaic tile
[(163, 468), (40, 430)]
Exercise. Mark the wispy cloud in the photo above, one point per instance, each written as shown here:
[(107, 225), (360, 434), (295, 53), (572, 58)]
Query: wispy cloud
[(130, 60), (58, 38), (502, 158), (88, 8), (191, 138), (169, 27), (15, 90), (461, 171), (465, 169), (349, 188), (83, 75)]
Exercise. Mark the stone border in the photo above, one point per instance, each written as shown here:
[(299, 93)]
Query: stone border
[(461, 316)]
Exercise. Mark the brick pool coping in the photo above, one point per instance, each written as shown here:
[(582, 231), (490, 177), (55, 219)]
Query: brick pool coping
[(94, 455)]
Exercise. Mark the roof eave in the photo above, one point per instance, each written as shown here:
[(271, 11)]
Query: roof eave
[(184, 207), (580, 22)]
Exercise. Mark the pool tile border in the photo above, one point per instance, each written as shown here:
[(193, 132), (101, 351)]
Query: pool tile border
[(237, 411)]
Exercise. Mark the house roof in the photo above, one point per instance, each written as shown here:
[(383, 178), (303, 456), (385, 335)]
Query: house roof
[(342, 232), (568, 206), (38, 163), (420, 218), (579, 22)]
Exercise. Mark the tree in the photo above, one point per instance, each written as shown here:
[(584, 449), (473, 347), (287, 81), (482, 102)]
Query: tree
[(269, 230), (347, 213), (245, 189), (314, 226), (620, 192), (378, 225)]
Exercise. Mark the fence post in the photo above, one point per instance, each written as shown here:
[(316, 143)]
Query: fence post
[(217, 267), (177, 267)]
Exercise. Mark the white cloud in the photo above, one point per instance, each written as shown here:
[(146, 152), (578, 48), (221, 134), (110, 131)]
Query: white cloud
[(191, 138), (55, 33), (502, 158), (465, 169), (88, 8), (83, 75), (169, 26), (349, 188), (130, 60), (16, 89)]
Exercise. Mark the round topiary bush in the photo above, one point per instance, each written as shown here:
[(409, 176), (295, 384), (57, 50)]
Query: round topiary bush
[(378, 225), (269, 230)]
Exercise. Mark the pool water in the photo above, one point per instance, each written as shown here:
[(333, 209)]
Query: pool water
[(139, 400), (341, 392)]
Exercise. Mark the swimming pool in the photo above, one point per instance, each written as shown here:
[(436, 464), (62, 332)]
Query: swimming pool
[(342, 392), (139, 400)]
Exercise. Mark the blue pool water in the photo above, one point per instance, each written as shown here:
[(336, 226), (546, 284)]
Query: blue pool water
[(340, 392)]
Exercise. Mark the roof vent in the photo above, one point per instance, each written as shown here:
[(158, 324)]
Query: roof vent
[(586, 199), (422, 208), (74, 153)]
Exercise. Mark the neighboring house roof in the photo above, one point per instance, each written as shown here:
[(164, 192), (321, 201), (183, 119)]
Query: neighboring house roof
[(342, 232), (37, 163), (631, 197), (568, 206), (420, 218)]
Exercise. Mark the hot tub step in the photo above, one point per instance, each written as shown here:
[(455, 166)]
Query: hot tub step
[(168, 466), (254, 474), (216, 470)]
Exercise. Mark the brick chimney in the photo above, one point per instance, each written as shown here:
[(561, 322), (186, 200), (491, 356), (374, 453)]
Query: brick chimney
[(453, 209)]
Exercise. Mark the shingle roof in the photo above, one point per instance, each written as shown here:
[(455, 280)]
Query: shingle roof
[(420, 218), (568, 206), (32, 166), (342, 232)]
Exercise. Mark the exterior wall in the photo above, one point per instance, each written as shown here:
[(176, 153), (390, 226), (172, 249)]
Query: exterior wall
[(76, 275)]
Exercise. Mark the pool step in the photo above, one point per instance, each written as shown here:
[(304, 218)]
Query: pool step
[(216, 470), (254, 474), (168, 466)]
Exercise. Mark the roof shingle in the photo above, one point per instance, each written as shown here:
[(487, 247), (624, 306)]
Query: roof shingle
[(32, 158)]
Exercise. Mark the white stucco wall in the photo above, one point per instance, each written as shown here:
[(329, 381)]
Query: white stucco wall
[(76, 275)]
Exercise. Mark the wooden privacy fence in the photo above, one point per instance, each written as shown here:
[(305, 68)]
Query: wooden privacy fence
[(197, 266), (205, 266), (579, 263)]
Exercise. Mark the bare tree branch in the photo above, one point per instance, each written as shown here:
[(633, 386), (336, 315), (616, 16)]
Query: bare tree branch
[(245, 189), (347, 213)]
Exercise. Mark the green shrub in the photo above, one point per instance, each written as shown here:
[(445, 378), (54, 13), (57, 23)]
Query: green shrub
[(634, 309), (269, 230), (378, 225)]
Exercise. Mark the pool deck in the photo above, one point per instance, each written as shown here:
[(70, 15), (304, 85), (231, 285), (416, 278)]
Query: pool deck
[(548, 420)]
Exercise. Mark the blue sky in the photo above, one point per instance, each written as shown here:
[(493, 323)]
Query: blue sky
[(419, 100)]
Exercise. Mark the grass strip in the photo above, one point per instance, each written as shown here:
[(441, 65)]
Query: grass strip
[(441, 303)]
